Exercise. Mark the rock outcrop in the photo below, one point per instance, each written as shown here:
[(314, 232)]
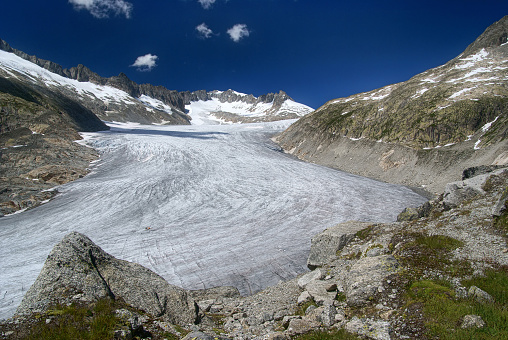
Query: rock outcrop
[(326, 245), (77, 269)]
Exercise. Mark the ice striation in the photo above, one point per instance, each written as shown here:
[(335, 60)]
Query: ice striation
[(201, 205)]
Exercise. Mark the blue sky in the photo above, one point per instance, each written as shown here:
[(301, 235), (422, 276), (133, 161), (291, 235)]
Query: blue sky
[(314, 50)]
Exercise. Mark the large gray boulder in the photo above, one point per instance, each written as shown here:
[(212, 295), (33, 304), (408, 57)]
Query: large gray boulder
[(77, 269), (325, 245), (457, 192)]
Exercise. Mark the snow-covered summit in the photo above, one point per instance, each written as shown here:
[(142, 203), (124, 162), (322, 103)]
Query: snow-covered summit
[(230, 106)]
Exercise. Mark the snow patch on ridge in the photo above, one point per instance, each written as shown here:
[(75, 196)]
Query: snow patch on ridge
[(11, 63)]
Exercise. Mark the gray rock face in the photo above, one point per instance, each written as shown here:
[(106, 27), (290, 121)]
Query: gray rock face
[(366, 276), (372, 329), (325, 245), (501, 206), (77, 267), (458, 192)]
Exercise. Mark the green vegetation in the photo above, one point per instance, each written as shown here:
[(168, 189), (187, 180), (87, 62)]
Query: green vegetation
[(422, 252), (438, 242), (97, 321), (324, 335), (426, 122), (74, 322), (443, 312), (302, 308), (364, 233)]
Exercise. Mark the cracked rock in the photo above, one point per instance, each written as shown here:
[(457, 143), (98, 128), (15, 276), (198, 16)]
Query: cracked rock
[(77, 266)]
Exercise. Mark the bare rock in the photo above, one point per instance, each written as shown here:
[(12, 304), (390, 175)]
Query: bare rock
[(304, 297), (277, 336), (301, 326), (316, 274), (458, 192), (319, 291), (501, 205), (471, 321), (77, 266), (479, 295), (372, 329), (366, 276), (325, 245)]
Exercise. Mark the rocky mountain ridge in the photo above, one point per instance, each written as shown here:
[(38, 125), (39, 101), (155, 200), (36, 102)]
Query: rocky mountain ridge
[(236, 107), (37, 149), (147, 103), (455, 111)]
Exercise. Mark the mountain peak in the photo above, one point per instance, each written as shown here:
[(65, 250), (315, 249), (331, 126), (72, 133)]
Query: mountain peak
[(495, 35)]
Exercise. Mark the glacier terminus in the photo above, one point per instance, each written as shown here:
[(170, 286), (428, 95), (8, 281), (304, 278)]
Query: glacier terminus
[(201, 205)]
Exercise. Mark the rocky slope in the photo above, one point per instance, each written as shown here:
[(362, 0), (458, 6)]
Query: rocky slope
[(423, 131), (38, 128), (441, 275)]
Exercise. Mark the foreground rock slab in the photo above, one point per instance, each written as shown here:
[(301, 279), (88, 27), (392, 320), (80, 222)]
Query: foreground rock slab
[(78, 270)]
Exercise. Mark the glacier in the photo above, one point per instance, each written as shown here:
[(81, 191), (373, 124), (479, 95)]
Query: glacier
[(201, 205)]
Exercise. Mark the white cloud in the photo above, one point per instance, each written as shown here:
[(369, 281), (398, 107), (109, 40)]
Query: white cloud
[(145, 62), (204, 31), (103, 8), (206, 3), (238, 32)]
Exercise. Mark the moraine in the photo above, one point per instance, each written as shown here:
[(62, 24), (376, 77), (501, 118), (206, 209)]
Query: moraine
[(201, 206)]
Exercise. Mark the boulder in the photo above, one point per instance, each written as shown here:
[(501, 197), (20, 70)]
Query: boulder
[(471, 321), (301, 326), (501, 206), (479, 294), (366, 277), (319, 291), (78, 267), (411, 214), (325, 245), (457, 192), (371, 329), (304, 280)]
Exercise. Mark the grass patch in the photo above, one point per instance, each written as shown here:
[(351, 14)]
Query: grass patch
[(438, 242), (302, 308), (324, 335), (422, 252), (75, 322), (84, 322), (495, 282), (443, 312), (364, 233)]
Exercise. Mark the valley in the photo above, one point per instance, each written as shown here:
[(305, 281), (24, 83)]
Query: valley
[(202, 206)]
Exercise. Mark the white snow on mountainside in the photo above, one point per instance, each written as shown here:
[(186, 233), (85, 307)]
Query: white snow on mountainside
[(17, 67), (205, 112), (109, 102)]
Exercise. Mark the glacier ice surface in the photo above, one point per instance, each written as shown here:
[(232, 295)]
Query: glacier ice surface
[(201, 205)]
